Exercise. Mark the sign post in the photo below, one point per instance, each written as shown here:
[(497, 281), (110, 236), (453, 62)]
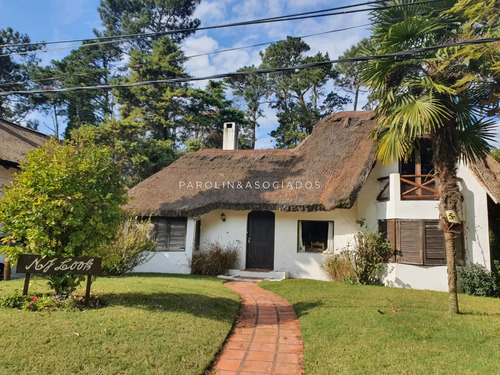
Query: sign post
[(29, 263)]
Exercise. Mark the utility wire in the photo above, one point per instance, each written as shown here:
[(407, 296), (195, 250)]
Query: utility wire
[(115, 41), (292, 17), (190, 56), (259, 71)]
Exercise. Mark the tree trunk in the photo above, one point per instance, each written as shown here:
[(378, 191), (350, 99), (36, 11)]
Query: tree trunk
[(254, 134), (450, 198), (356, 96), (6, 271)]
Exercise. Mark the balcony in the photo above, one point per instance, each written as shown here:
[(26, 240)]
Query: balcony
[(408, 187)]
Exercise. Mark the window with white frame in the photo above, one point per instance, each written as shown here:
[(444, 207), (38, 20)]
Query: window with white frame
[(170, 233), (315, 236)]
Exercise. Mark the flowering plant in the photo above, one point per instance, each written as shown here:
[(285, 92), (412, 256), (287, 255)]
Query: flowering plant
[(39, 303)]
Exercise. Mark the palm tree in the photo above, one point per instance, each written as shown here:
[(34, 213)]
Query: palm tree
[(446, 95)]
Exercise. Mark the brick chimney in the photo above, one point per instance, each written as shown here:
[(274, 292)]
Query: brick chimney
[(230, 136)]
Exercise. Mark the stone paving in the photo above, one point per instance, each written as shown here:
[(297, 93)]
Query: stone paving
[(266, 338)]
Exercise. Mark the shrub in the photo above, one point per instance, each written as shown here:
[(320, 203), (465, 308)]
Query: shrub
[(215, 259), (131, 248), (338, 268), (477, 281), (14, 301), (38, 303), (368, 254)]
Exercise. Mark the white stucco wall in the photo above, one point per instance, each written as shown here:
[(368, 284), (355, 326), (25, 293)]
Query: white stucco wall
[(307, 265), (475, 216), (172, 262), (232, 231), (286, 257)]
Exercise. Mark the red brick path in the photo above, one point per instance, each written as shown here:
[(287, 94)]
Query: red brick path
[(266, 338)]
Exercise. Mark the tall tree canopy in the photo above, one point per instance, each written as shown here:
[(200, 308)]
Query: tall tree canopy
[(350, 73), (297, 96), (14, 74), (446, 95), (251, 89), (123, 17)]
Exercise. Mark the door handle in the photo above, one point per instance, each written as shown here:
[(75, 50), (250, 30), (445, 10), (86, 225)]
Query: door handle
[(249, 239)]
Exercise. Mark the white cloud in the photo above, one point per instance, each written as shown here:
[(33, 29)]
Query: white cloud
[(200, 66), (203, 44), (210, 12)]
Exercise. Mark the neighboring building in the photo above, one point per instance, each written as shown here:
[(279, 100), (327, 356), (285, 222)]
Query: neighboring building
[(288, 208), (15, 142)]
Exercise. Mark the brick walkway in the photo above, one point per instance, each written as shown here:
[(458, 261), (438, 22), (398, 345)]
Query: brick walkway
[(266, 338)]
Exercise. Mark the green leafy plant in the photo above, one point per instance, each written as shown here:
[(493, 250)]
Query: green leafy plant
[(338, 268), (367, 254), (14, 300), (131, 248), (64, 285), (39, 303), (215, 259), (477, 281), (66, 201)]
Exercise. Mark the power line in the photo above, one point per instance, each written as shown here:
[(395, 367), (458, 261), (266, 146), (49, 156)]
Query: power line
[(259, 71), (114, 41), (191, 56), (292, 17)]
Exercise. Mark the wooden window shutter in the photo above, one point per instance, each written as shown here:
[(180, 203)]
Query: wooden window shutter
[(161, 229), (177, 234), (170, 234), (410, 241), (434, 247)]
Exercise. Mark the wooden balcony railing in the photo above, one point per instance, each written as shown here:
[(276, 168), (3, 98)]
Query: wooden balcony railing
[(418, 186), (413, 186)]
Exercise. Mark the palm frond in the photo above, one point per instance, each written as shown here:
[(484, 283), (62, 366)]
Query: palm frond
[(474, 139), (415, 115), (393, 145)]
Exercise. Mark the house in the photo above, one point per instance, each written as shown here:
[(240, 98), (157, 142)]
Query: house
[(289, 208), (15, 142)]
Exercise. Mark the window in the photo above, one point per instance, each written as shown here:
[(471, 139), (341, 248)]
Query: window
[(417, 173), (197, 234), (419, 242), (315, 236), (170, 233)]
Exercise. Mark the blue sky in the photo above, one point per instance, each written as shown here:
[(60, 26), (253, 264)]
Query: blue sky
[(67, 19)]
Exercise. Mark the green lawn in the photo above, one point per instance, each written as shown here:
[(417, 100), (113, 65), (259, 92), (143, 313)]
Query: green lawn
[(344, 333), (152, 325)]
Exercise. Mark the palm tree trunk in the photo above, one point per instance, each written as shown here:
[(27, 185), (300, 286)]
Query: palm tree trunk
[(450, 197), (452, 272)]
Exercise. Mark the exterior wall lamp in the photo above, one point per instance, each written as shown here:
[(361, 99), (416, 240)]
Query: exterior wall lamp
[(223, 217)]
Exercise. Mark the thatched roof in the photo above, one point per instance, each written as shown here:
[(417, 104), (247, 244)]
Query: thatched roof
[(336, 159), (17, 140), (487, 172)]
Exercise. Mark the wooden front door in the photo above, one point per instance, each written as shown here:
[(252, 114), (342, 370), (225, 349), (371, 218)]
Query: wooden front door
[(260, 240)]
